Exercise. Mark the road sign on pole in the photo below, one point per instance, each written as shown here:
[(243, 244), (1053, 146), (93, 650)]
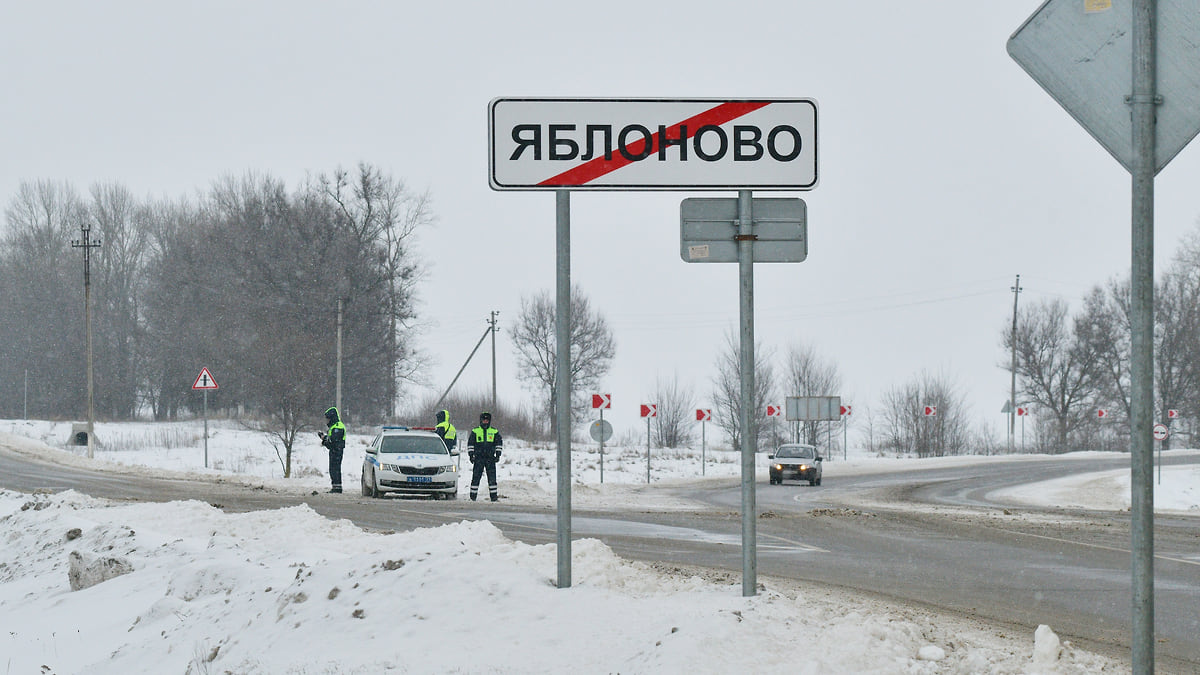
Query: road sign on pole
[(1082, 59), (708, 230), (601, 401), (600, 430), (813, 408), (1131, 76), (204, 380), (648, 410), (704, 415), (1160, 432), (931, 411), (774, 411), (652, 144)]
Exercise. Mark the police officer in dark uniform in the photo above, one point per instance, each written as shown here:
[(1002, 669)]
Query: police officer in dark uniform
[(484, 446), (335, 441)]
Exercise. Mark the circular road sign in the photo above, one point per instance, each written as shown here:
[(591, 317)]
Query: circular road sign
[(1160, 432), (600, 430)]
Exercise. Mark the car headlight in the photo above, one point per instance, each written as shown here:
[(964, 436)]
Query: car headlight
[(804, 467), (778, 467), (446, 469)]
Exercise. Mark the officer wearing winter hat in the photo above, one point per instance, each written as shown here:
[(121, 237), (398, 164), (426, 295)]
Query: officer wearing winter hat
[(484, 446), (335, 442)]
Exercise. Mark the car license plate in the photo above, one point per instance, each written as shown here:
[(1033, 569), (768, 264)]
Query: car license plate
[(420, 479)]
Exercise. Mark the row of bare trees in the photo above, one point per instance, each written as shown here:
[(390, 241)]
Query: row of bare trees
[(245, 279), (1070, 366)]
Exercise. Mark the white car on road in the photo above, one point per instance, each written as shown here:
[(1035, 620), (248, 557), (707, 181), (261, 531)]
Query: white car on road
[(405, 460)]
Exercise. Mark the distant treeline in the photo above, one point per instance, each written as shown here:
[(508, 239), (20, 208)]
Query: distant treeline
[(244, 280)]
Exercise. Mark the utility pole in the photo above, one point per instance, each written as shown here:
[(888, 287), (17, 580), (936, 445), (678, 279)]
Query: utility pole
[(337, 397), (87, 244), (492, 323), (1012, 398)]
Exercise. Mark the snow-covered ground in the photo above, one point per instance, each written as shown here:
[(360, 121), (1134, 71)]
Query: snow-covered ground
[(186, 588)]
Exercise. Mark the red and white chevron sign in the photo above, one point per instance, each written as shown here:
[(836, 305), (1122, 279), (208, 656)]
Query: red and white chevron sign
[(774, 411), (601, 401), (649, 410), (931, 411), (704, 414), (652, 144)]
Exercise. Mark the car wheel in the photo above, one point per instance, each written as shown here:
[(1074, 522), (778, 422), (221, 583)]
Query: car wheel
[(374, 491), (818, 481), (365, 491), (812, 481)]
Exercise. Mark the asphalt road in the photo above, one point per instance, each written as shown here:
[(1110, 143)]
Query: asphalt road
[(932, 538)]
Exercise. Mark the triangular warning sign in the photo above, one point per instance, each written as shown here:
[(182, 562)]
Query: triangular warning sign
[(204, 380)]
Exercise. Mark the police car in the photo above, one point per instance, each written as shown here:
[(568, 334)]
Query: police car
[(406, 460)]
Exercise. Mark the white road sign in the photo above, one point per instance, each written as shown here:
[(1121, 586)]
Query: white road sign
[(1160, 432), (204, 380), (652, 144)]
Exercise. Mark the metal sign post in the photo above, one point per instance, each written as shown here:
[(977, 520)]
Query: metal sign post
[(204, 381), (648, 410), (845, 410), (602, 447), (1139, 96), (601, 431), (703, 415), (600, 402), (562, 378)]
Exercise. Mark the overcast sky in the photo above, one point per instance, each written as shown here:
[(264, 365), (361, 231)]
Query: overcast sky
[(944, 169)]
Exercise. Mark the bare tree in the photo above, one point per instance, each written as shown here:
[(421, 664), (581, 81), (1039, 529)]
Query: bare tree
[(1103, 327), (384, 217), (42, 334), (675, 408), (727, 390), (535, 343), (122, 224), (808, 374), (1057, 369), (908, 430)]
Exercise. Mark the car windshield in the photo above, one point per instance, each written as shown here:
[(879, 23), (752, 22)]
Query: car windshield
[(416, 445), (796, 453)]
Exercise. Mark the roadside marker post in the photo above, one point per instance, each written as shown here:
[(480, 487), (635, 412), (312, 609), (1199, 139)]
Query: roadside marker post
[(703, 415), (600, 402), (648, 410), (846, 410)]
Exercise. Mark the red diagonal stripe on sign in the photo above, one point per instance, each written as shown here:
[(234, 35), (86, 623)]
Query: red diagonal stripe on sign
[(593, 169)]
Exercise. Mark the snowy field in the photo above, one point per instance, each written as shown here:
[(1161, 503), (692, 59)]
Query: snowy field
[(93, 586)]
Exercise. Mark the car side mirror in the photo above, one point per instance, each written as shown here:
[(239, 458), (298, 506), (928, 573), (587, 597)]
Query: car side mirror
[(819, 458), (771, 456), (455, 453), (371, 450)]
